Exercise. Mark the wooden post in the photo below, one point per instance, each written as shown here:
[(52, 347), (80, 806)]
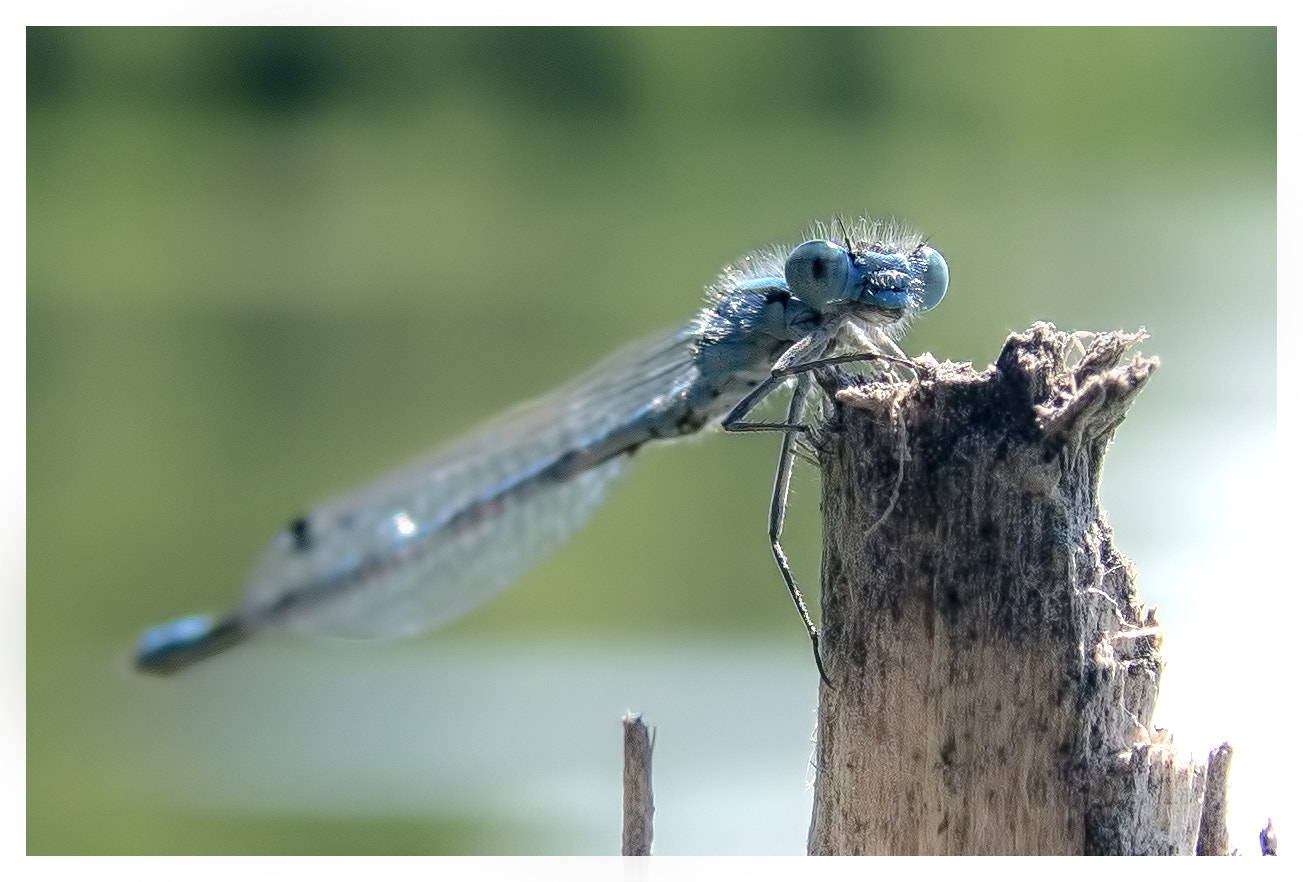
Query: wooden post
[(993, 671)]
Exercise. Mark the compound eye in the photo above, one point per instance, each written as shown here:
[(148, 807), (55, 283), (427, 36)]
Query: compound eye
[(819, 272), (936, 278)]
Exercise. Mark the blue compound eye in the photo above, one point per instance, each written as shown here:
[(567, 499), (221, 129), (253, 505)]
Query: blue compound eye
[(936, 278), (819, 272)]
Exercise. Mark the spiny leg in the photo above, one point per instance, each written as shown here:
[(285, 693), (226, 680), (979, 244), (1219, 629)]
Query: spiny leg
[(778, 511), (845, 358), (734, 420), (791, 429)]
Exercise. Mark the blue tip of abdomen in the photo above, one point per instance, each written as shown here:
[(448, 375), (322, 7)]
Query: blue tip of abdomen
[(176, 645)]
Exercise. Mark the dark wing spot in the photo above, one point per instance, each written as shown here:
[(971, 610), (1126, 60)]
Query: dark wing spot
[(300, 534)]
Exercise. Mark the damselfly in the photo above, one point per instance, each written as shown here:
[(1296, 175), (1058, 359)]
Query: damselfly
[(438, 538)]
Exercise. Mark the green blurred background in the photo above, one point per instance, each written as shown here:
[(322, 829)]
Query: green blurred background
[(265, 265)]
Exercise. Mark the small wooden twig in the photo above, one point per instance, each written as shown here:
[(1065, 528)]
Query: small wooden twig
[(1214, 837), (638, 807), (1267, 839)]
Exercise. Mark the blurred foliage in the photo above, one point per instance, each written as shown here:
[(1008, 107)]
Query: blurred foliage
[(265, 264), (1043, 83)]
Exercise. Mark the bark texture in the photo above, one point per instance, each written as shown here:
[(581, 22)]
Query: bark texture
[(1214, 837), (636, 836), (994, 672)]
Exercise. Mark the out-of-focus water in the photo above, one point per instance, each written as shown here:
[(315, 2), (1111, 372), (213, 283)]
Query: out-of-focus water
[(521, 739)]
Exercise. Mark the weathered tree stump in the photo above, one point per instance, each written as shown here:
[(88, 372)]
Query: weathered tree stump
[(993, 671)]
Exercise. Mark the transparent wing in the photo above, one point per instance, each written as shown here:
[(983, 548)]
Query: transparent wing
[(401, 556)]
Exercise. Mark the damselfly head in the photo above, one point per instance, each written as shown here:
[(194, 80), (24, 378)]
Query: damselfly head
[(823, 273)]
